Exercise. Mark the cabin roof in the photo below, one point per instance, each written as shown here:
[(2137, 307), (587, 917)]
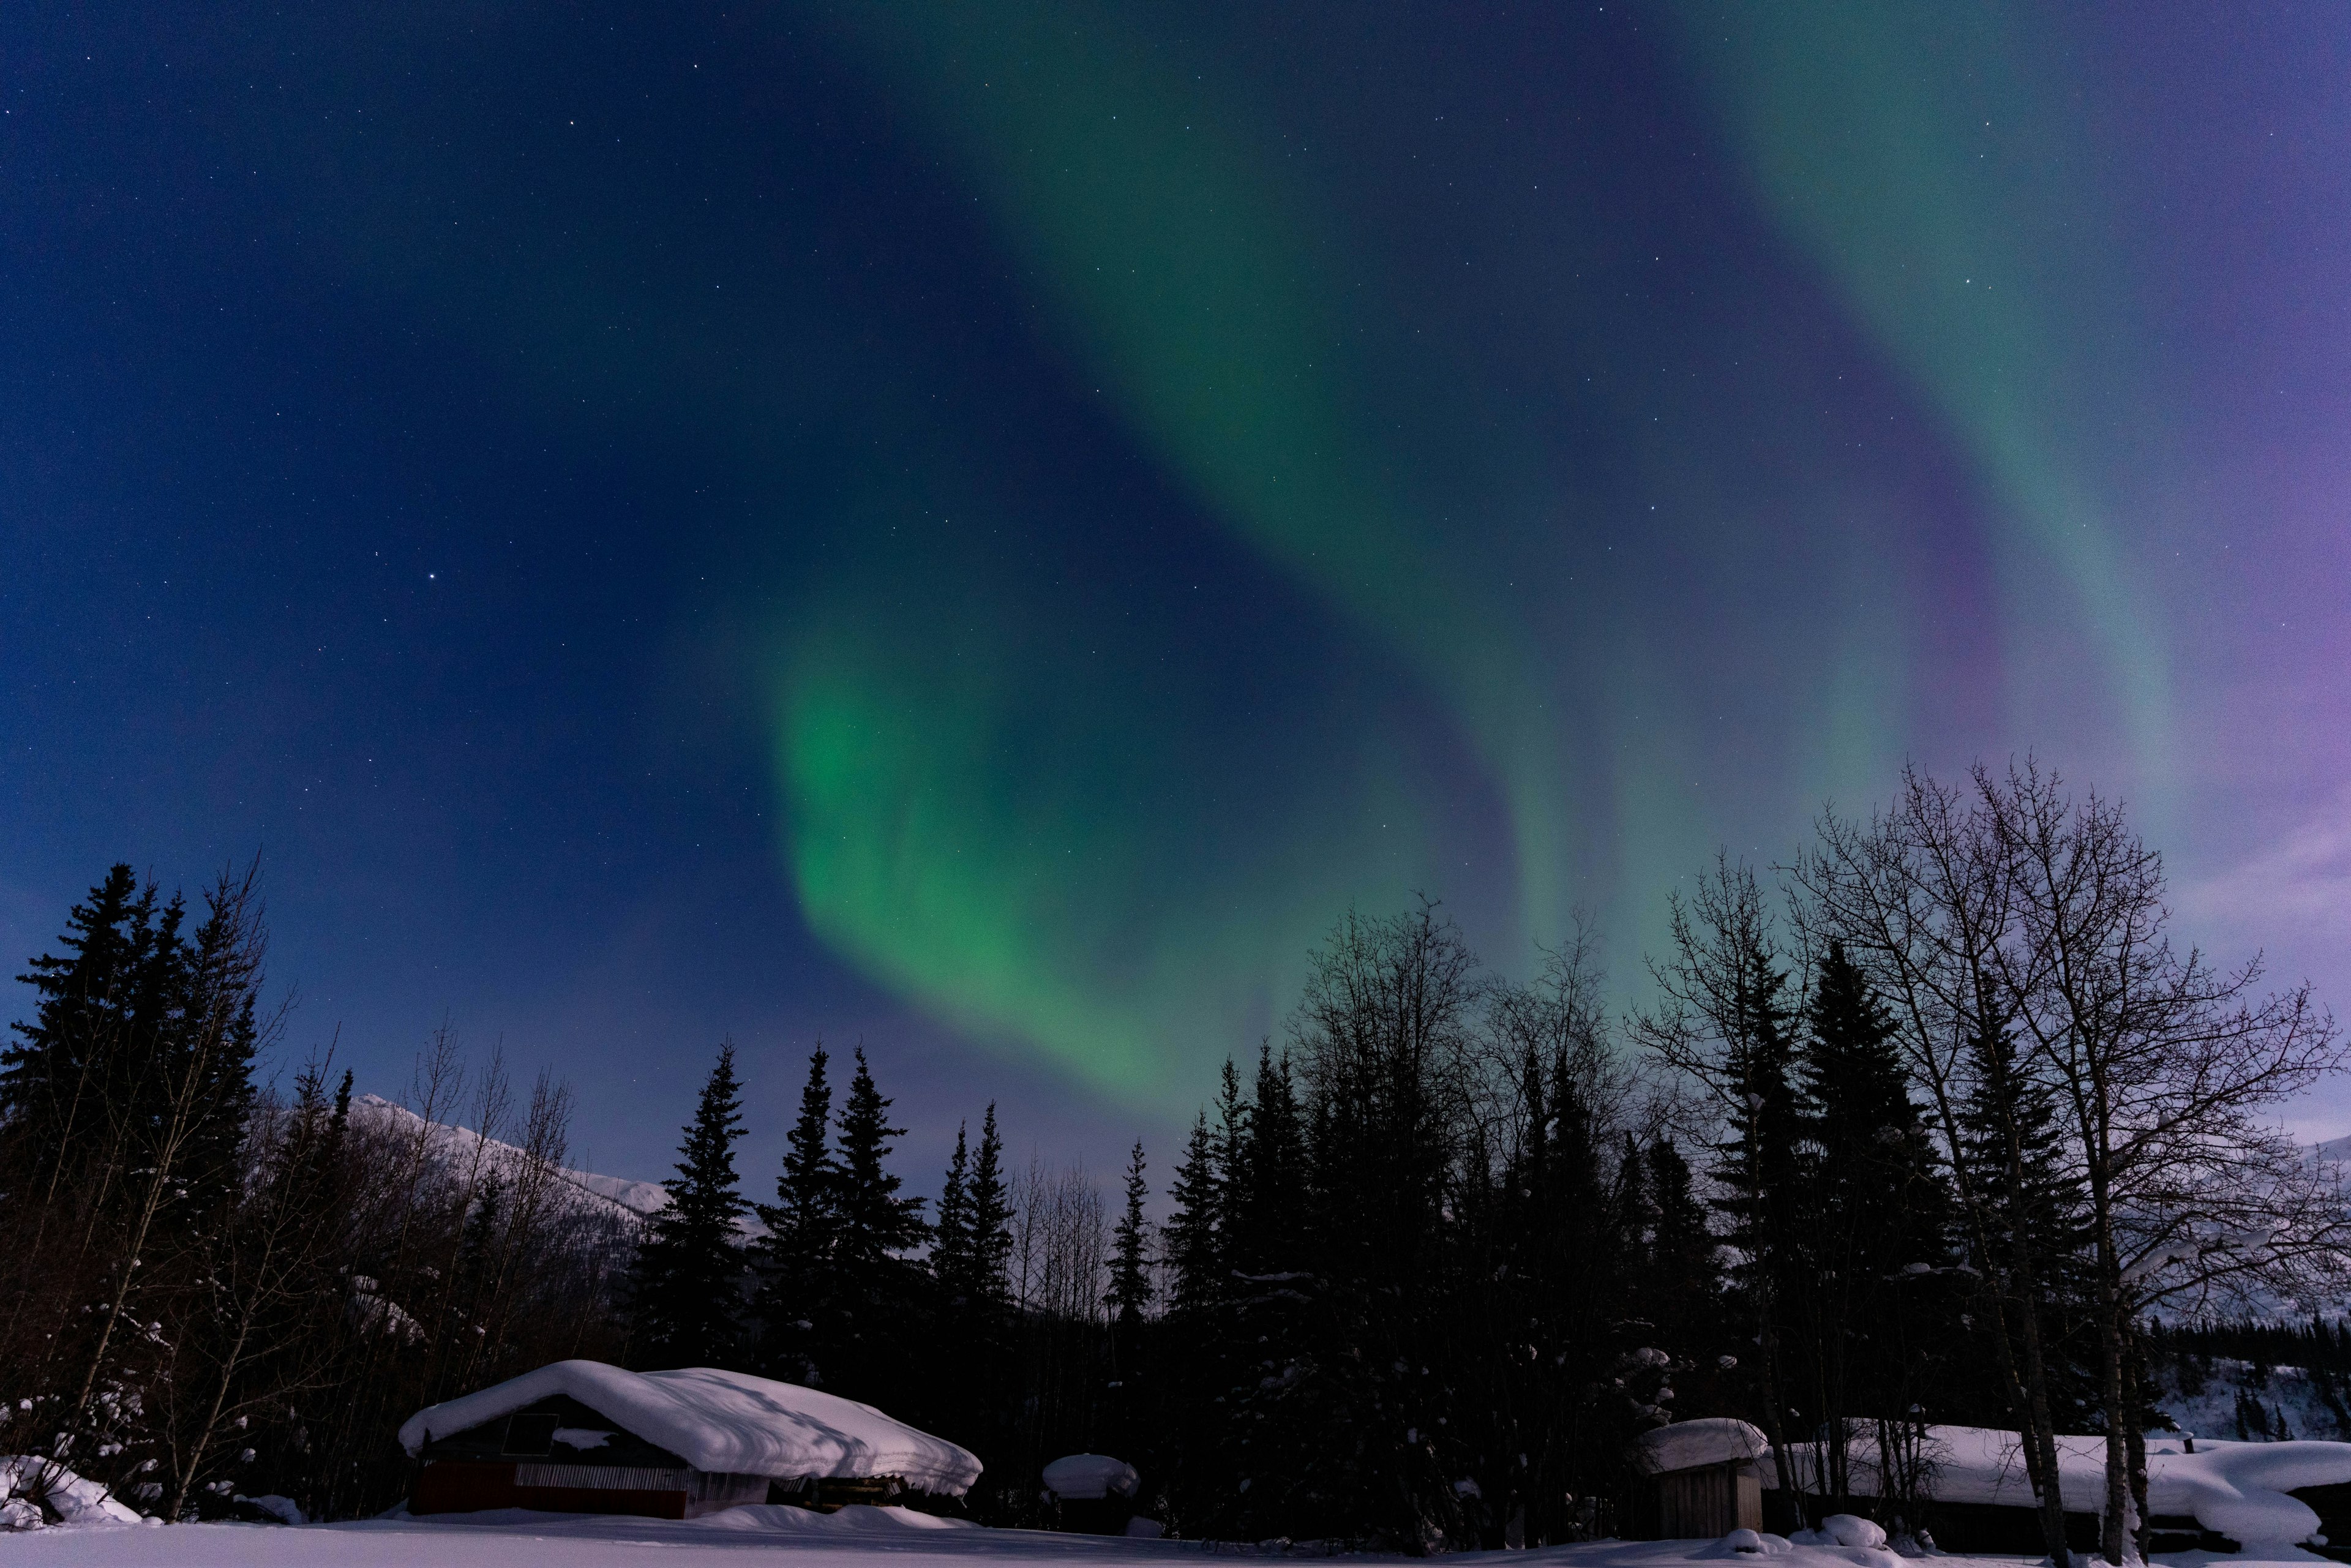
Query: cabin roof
[(722, 1422), (1708, 1440)]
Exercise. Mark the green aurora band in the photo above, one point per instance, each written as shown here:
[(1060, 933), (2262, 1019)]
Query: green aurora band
[(1051, 893), (921, 847)]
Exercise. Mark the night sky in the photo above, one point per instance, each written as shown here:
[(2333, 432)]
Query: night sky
[(983, 529)]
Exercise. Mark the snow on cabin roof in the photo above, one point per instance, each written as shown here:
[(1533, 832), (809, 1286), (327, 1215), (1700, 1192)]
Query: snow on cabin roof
[(1708, 1440), (723, 1422)]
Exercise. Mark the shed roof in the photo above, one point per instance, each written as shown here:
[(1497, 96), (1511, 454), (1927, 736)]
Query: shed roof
[(723, 1422), (1708, 1440)]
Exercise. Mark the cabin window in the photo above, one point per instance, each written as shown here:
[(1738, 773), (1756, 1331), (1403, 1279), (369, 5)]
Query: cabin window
[(528, 1433)]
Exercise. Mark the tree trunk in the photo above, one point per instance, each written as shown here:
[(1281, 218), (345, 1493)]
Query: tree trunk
[(2115, 1527), (2134, 1435), (2040, 1433)]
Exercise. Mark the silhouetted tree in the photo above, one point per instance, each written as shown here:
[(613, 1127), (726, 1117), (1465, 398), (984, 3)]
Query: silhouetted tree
[(687, 1293), (1130, 1270), (799, 1300), (875, 1227), (1725, 1020)]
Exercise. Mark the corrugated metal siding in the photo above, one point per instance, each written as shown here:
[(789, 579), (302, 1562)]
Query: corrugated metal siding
[(719, 1490), (605, 1478)]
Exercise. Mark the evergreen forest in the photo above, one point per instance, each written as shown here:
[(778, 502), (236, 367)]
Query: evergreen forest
[(1931, 1124)]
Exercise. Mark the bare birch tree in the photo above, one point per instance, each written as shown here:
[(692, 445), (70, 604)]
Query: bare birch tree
[(244, 1350), (2011, 905), (2164, 1062), (1920, 899)]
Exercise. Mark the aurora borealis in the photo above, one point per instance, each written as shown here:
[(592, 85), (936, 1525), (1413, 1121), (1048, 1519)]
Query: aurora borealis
[(988, 526)]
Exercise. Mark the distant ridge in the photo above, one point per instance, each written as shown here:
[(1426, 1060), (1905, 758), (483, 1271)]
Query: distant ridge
[(633, 1201)]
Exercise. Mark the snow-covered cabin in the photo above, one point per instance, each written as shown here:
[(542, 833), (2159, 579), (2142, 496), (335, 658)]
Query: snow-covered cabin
[(2261, 1499), (1706, 1476), (580, 1436)]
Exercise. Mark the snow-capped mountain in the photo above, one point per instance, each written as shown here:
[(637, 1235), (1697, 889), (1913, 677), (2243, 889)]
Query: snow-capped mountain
[(452, 1145)]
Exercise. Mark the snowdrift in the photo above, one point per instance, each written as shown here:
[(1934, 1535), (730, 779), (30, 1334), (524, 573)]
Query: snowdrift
[(723, 1422), (857, 1518)]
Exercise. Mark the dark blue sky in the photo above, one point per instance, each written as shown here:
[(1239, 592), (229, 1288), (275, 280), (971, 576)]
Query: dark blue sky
[(664, 524)]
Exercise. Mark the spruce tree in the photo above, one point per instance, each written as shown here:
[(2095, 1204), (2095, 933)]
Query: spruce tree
[(1190, 1448), (973, 1388), (1543, 1278), (2032, 1193), (174, 1076), (951, 1240), (478, 1260), (1383, 1038), (1878, 1189), (1231, 1155), (1126, 1418), (972, 1240), (205, 1069), (46, 1091), (1760, 1169), (876, 1227), (687, 1286), (1879, 1230), (991, 1219), (1635, 1200), (1581, 1266), (1684, 1287), (1188, 1239), (1266, 1173), (1130, 1262), (798, 1298), (1273, 1405), (80, 1089), (876, 1223)]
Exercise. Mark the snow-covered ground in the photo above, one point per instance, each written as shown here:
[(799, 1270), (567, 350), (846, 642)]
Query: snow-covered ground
[(852, 1538)]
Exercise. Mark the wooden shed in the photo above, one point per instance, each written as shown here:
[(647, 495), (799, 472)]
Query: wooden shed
[(1706, 1478), (580, 1437)]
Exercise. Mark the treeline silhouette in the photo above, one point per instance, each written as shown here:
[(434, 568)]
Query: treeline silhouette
[(2312, 1343), (1929, 1126), (209, 1291)]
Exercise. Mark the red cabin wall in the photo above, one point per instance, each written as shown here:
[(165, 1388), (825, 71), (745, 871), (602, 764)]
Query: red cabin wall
[(465, 1486)]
